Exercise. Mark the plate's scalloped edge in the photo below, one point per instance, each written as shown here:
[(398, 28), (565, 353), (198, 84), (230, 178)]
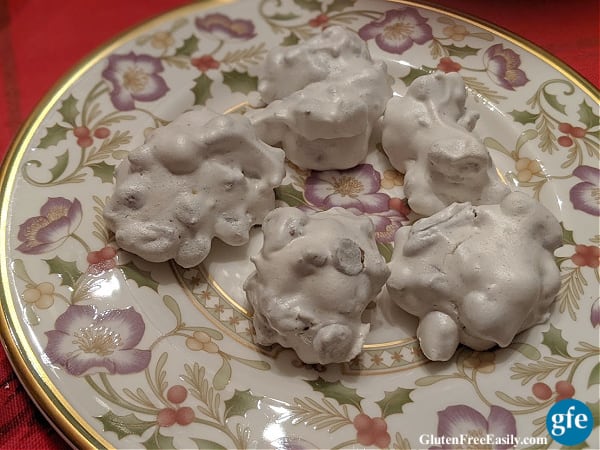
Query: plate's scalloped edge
[(69, 424)]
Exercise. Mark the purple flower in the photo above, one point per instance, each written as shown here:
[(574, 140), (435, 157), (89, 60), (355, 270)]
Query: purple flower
[(355, 188), (585, 196), (386, 224), (85, 341), (58, 219), (223, 27), (595, 313), (134, 77), (459, 423), (397, 30), (502, 65)]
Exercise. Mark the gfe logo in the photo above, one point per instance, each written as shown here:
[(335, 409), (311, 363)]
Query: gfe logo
[(569, 422)]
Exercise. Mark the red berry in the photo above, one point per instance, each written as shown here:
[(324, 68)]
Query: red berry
[(564, 389), (107, 252), (362, 422), (397, 204), (101, 132), (81, 132), (185, 415), (365, 437), (541, 391), (84, 142), (93, 258), (177, 394), (565, 141), (383, 440), (378, 425), (578, 132), (565, 128), (166, 417)]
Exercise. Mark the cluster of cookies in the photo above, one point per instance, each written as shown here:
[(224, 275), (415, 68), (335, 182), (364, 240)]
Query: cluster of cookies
[(477, 268)]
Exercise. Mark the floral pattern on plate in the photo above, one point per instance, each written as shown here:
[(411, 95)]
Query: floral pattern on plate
[(156, 356)]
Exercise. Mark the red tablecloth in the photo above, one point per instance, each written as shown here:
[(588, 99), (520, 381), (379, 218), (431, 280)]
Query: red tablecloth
[(41, 39)]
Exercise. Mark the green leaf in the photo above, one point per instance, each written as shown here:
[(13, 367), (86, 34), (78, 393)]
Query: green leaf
[(19, 270), (212, 333), (172, 305), (189, 47), (432, 379), (289, 40), (159, 441), (61, 164), (223, 375), (125, 425), (309, 5), (241, 403), (141, 277), (337, 391), (340, 5), (53, 136), (288, 16), (201, 89), (594, 376), (523, 117), (567, 235), (204, 444), (69, 111), (587, 115), (553, 101), (394, 401), (289, 194), (67, 270), (461, 52), (103, 171), (527, 350), (30, 315), (240, 81), (413, 74), (555, 342), (386, 250)]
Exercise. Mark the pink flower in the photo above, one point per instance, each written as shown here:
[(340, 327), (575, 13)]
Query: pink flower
[(463, 423), (397, 30), (134, 78), (356, 188), (585, 196), (222, 27), (58, 219), (85, 341), (502, 65)]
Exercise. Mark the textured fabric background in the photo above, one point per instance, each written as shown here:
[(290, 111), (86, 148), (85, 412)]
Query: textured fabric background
[(40, 40)]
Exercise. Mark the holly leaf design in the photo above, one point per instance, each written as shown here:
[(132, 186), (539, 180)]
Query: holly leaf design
[(188, 48), (523, 117), (141, 277), (158, 441), (394, 401), (289, 40), (415, 73), (527, 350), (386, 250), (66, 270), (240, 81), (69, 111), (594, 376), (201, 89), (61, 164), (461, 52), (340, 5), (240, 403), (125, 425), (289, 194), (309, 5), (54, 134), (555, 342), (587, 115), (553, 101), (205, 444), (103, 171), (567, 235), (337, 391)]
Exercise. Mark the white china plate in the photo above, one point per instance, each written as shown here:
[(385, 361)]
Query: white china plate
[(119, 352)]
